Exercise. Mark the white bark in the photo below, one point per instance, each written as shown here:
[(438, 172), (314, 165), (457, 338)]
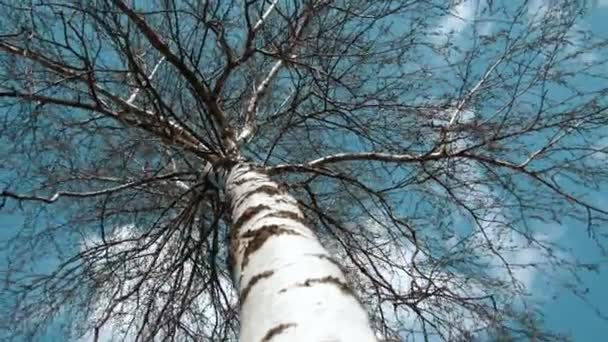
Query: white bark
[(290, 288)]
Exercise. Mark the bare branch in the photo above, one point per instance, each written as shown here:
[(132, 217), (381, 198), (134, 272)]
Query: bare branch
[(131, 98), (59, 194), (199, 87)]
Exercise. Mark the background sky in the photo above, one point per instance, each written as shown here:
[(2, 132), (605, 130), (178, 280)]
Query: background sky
[(567, 313), (564, 312)]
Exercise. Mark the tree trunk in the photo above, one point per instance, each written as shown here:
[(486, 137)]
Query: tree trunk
[(289, 286)]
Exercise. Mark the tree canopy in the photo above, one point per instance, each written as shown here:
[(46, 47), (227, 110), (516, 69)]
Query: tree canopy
[(437, 147)]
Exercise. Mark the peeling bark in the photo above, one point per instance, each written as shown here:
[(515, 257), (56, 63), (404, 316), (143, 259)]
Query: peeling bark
[(290, 287)]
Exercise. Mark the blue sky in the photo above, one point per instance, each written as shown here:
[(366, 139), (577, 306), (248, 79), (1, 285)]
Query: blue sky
[(564, 312), (568, 313)]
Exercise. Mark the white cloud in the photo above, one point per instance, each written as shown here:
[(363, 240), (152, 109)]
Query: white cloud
[(457, 21), (108, 333), (538, 8), (128, 313), (542, 11), (515, 248), (396, 267), (601, 3), (602, 146), (523, 253)]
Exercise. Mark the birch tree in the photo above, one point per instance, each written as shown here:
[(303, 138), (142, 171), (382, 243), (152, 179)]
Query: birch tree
[(298, 170)]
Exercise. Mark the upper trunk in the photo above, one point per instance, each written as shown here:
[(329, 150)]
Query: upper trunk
[(289, 286)]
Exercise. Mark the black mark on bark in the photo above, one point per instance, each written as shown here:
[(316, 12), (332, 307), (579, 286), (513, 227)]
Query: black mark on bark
[(260, 236), (328, 258), (277, 330), (270, 190), (247, 215), (329, 280), (254, 280)]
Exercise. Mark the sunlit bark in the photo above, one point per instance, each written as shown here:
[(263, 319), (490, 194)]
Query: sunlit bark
[(290, 288)]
